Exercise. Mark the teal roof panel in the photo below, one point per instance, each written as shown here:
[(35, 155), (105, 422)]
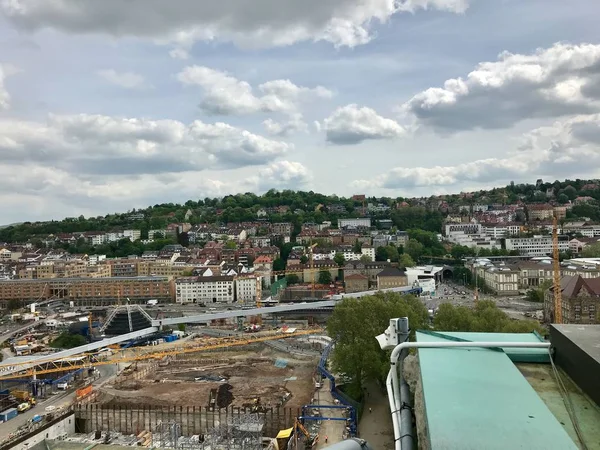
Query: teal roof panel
[(477, 399)]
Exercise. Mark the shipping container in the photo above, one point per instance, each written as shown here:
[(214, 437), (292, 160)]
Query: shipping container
[(8, 414), (84, 392)]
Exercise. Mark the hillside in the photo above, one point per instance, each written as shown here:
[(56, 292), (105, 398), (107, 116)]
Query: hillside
[(300, 207)]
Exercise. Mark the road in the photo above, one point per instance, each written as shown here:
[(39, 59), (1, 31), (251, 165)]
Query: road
[(63, 399)]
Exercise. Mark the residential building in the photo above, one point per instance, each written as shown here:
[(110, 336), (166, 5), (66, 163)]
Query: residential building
[(540, 212), (248, 289), (283, 228), (360, 222), (537, 245), (123, 268), (356, 283), (576, 245), (500, 230), (369, 269), (580, 300), (212, 289), (391, 277), (132, 235)]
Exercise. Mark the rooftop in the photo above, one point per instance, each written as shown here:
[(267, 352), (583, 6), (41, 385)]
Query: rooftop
[(478, 398), (586, 337)]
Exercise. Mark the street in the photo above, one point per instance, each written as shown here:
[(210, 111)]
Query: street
[(63, 399)]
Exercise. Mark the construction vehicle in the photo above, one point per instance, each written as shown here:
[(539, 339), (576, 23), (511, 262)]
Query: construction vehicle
[(309, 440), (22, 396), (25, 406)]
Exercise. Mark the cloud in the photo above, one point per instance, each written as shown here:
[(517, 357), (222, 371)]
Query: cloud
[(280, 175), (351, 125), (564, 149), (257, 23), (549, 83), (179, 53), (127, 80), (4, 96), (95, 144), (226, 95), (284, 129)]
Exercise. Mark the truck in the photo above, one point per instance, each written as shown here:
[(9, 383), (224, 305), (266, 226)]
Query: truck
[(153, 302), (22, 396)]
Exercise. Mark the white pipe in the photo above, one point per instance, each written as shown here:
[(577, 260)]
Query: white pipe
[(395, 421), (406, 345)]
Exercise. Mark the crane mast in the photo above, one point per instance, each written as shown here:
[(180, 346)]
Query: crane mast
[(556, 273)]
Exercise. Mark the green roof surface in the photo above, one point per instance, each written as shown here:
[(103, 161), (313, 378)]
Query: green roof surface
[(477, 399)]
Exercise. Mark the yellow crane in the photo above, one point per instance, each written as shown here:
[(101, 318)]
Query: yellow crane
[(557, 290), (84, 360), (312, 267)]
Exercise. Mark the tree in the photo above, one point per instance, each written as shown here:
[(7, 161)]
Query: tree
[(13, 304), (339, 259), (355, 323), (230, 245), (325, 277), (292, 278), (562, 198), (365, 258), (67, 340), (591, 251), (278, 265), (303, 259), (406, 261), (357, 247), (181, 327), (414, 248), (485, 317)]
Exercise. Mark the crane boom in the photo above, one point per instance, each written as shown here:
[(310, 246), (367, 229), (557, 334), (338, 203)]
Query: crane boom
[(557, 291), (48, 365)]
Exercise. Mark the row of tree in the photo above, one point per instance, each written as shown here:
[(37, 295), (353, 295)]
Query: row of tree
[(355, 323)]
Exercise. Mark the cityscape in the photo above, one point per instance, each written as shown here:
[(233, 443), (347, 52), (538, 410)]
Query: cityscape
[(285, 225)]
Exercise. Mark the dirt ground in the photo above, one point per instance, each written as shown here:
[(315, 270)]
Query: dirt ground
[(251, 374)]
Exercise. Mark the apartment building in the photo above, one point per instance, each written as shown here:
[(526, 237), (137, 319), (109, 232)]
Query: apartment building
[(588, 230), (283, 228), (368, 269), (87, 291), (359, 222), (500, 230), (248, 289), (580, 300), (211, 289), (536, 245), (540, 212)]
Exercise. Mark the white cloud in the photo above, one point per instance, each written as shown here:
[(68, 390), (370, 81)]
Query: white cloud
[(351, 125), (280, 175), (257, 23), (569, 148), (127, 80), (4, 96), (179, 53), (112, 145), (226, 95), (549, 83), (284, 129)]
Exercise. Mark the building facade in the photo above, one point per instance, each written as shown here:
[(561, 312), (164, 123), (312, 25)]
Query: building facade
[(211, 289), (536, 245), (580, 300), (248, 289), (391, 277)]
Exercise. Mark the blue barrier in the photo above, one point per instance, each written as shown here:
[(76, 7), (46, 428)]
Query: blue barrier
[(322, 369)]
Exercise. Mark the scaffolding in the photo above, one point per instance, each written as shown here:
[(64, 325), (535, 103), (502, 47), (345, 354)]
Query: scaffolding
[(244, 432)]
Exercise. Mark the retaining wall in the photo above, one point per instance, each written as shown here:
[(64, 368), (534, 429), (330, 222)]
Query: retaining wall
[(194, 420)]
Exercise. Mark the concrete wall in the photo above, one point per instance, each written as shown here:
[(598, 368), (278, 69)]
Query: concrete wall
[(193, 420), (61, 428)]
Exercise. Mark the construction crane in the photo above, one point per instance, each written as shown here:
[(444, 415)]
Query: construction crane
[(557, 290), (82, 361)]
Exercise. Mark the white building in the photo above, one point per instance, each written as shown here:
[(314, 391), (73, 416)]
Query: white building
[(95, 259), (218, 289), (499, 230), (355, 223), (536, 245), (132, 235), (248, 289)]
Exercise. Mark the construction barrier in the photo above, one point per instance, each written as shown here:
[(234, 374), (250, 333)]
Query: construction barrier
[(83, 392)]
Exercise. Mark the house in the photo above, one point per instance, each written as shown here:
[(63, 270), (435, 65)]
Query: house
[(391, 277), (576, 245), (356, 283), (580, 300)]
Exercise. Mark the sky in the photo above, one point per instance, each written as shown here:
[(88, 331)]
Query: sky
[(111, 105)]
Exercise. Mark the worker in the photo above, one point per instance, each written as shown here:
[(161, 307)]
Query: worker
[(370, 410), (326, 439)]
